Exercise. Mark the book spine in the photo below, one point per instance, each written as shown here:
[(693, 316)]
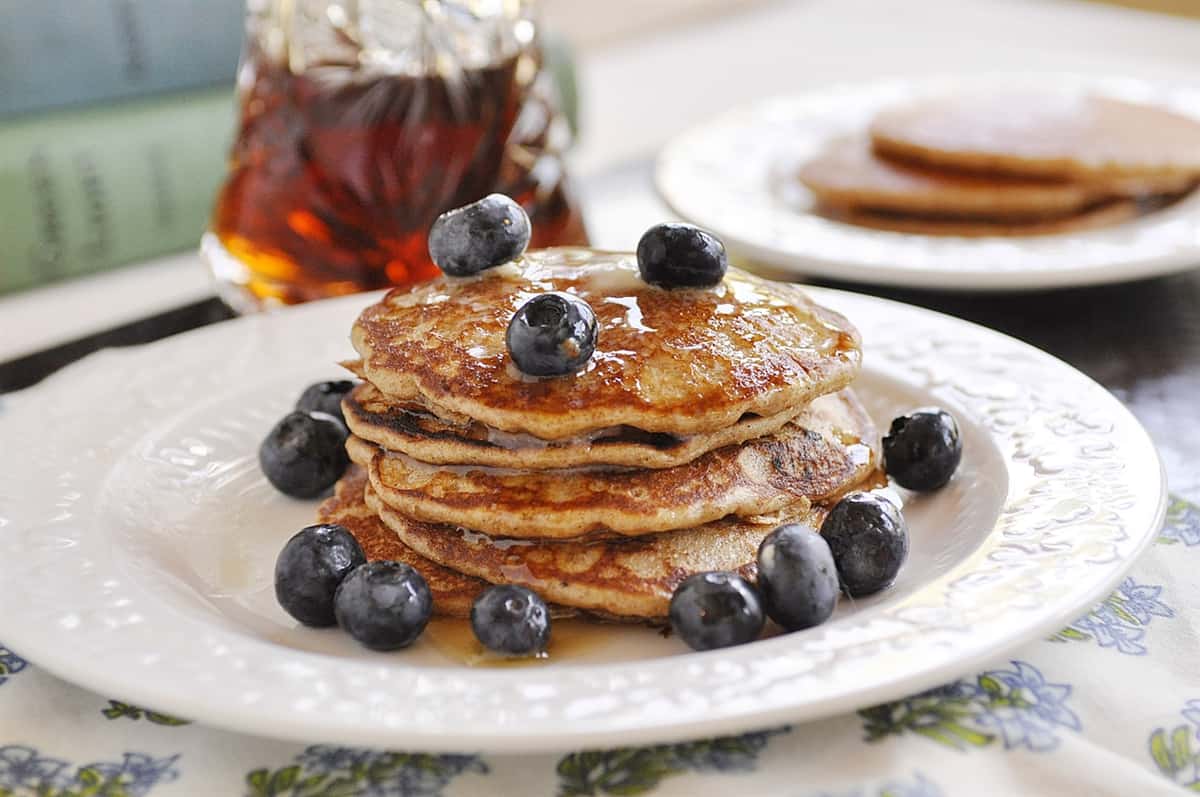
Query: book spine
[(87, 190), (56, 53)]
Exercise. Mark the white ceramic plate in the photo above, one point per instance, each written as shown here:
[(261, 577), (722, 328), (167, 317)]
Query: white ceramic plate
[(735, 175), (137, 539)]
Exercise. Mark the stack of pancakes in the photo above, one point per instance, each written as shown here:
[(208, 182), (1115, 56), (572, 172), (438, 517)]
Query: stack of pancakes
[(705, 418), (1011, 163)]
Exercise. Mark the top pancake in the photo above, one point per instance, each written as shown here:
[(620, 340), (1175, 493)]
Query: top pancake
[(673, 361), (847, 173), (1034, 134)]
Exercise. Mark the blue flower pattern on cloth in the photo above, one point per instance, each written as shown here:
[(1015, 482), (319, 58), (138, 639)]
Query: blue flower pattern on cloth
[(1019, 707), (1183, 524), (10, 664), (357, 772), (22, 767), (24, 772), (138, 773), (1120, 622), (1026, 709), (1176, 752)]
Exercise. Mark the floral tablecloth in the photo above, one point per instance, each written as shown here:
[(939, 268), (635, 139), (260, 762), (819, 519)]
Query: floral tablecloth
[(1108, 705)]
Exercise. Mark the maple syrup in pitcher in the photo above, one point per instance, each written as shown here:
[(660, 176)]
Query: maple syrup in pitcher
[(360, 123)]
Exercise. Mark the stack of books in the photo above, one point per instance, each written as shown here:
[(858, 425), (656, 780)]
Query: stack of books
[(115, 120)]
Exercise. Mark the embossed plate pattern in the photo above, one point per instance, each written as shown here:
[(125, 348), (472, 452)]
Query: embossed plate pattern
[(137, 540), (736, 176)]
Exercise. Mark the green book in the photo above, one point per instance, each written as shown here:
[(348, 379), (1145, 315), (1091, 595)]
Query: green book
[(86, 190)]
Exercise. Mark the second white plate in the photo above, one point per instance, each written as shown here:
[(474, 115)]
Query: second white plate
[(735, 175)]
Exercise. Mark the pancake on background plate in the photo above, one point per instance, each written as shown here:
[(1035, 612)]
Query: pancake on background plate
[(1104, 215), (1067, 136), (848, 174), (1006, 163)]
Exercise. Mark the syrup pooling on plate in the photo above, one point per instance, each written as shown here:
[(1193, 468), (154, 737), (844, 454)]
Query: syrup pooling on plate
[(569, 640), (680, 361)]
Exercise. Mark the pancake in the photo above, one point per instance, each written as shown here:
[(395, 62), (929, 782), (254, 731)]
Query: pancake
[(453, 593), (411, 429), (1105, 215), (674, 361), (1041, 134), (1150, 186), (849, 175), (814, 458), (630, 579)]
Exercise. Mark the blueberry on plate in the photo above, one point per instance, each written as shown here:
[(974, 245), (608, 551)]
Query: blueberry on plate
[(922, 450), (310, 567), (868, 538), (304, 454), (512, 620), (479, 236), (716, 610), (383, 605), (797, 577), (325, 397), (681, 256), (553, 334)]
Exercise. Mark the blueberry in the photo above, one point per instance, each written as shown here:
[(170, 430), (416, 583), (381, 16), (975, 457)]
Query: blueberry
[(922, 449), (479, 236), (325, 397), (309, 569), (511, 619), (384, 605), (797, 577), (553, 334), (681, 256), (716, 610), (869, 541), (304, 454)]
